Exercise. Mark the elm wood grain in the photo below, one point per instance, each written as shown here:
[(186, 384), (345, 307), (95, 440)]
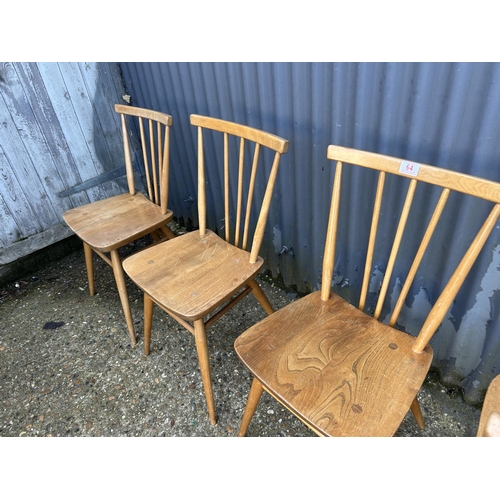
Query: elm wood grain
[(199, 276), (489, 421), (101, 224), (192, 274), (107, 225), (336, 367)]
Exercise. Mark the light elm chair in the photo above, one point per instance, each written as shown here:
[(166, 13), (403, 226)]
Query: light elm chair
[(107, 225), (198, 276), (333, 364)]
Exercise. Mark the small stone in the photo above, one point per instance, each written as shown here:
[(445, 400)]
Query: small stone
[(52, 325)]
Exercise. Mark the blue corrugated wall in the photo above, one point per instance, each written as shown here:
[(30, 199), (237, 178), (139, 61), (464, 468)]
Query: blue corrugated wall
[(445, 114)]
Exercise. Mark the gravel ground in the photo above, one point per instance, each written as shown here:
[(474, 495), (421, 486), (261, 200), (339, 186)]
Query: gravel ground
[(67, 367)]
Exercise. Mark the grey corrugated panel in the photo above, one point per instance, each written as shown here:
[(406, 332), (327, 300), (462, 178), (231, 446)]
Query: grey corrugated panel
[(446, 114)]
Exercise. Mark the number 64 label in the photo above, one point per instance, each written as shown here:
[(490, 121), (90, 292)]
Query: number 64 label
[(409, 168)]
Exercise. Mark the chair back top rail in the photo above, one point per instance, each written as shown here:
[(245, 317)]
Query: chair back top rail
[(448, 180), (456, 181), (150, 114), (271, 141)]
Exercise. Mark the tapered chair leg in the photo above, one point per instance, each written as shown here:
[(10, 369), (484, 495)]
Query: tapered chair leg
[(261, 297), (122, 290), (148, 322), (417, 413), (252, 402), (202, 349), (89, 264), (168, 232)]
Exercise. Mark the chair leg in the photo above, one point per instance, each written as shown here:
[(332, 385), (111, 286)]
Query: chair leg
[(155, 236), (89, 263), (202, 349), (417, 413), (148, 322), (168, 232), (252, 402), (261, 297), (122, 290)]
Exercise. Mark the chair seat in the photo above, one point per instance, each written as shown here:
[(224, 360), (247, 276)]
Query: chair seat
[(176, 274), (339, 370), (111, 223)]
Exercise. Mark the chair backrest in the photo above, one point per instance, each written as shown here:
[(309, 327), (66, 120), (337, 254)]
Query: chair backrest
[(155, 146), (448, 181), (244, 198)]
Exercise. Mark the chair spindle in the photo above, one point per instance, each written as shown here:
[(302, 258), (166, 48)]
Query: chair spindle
[(128, 156), (165, 172), (153, 158), (202, 202), (331, 235), (251, 189), (239, 201), (227, 213), (420, 254), (395, 247), (442, 305), (264, 212), (145, 158), (372, 239)]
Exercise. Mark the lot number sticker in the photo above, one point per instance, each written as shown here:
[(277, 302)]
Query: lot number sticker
[(409, 168)]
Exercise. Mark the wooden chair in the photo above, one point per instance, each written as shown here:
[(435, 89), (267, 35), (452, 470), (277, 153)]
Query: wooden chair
[(107, 225), (489, 422), (337, 368), (201, 274)]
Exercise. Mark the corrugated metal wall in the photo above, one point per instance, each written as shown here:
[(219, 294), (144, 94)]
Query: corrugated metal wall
[(444, 114), (58, 130)]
